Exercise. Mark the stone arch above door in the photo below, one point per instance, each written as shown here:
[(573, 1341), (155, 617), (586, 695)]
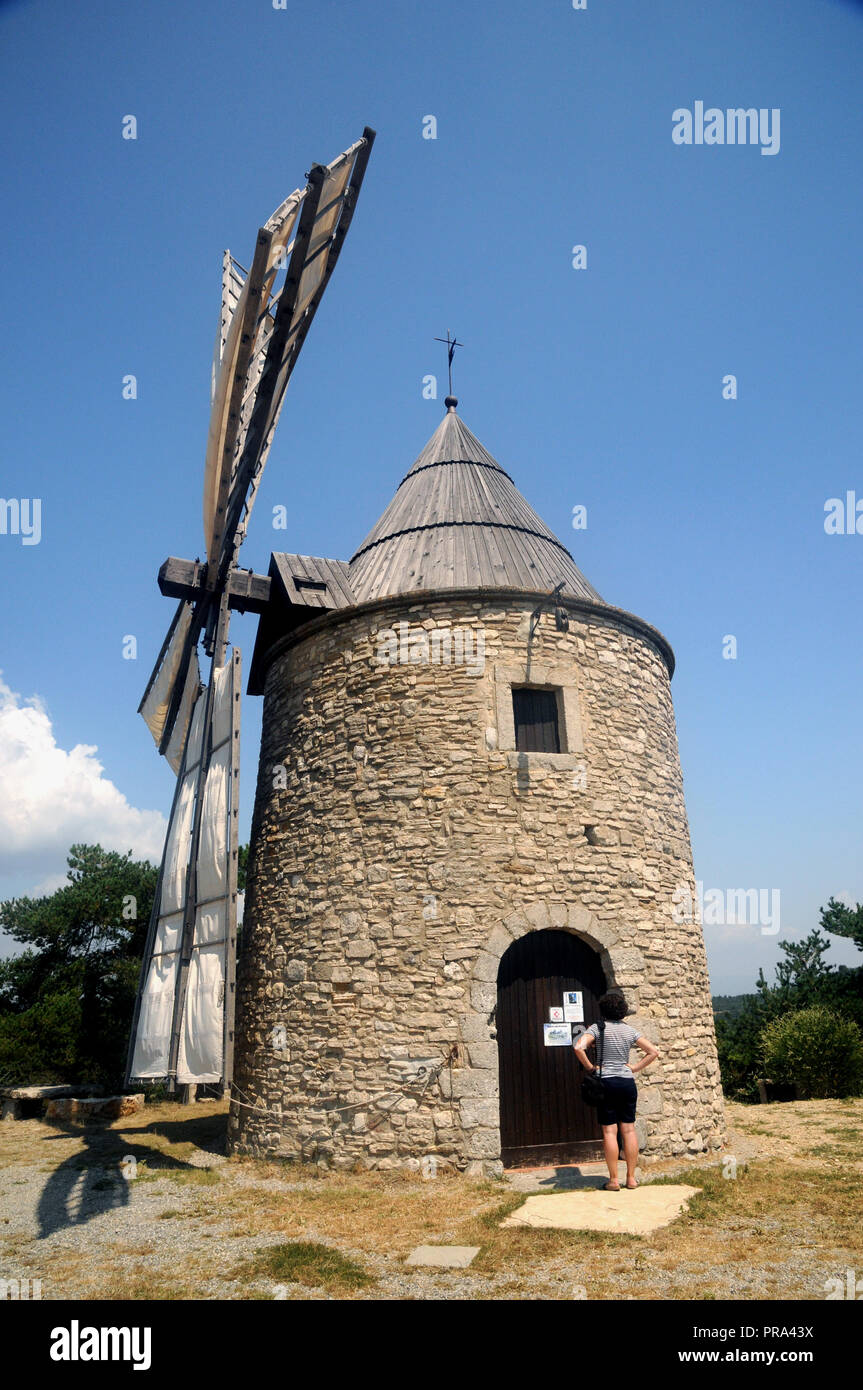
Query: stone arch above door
[(473, 1086), (620, 963)]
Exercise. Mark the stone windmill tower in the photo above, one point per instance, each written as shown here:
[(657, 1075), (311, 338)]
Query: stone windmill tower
[(469, 806)]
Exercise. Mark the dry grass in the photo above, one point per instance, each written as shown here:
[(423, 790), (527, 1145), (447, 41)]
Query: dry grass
[(383, 1213), (786, 1222), (795, 1130)]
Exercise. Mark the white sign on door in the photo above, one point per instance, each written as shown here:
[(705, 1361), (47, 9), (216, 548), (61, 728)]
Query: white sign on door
[(557, 1035), (573, 1006)]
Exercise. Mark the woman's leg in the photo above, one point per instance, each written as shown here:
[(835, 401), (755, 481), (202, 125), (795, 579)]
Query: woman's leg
[(630, 1149), (609, 1144)]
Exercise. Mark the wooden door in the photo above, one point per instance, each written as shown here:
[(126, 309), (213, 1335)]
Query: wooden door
[(542, 1116)]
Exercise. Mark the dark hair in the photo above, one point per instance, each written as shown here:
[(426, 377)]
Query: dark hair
[(613, 1006)]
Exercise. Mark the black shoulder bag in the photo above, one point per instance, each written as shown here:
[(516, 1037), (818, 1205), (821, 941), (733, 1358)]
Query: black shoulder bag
[(592, 1085)]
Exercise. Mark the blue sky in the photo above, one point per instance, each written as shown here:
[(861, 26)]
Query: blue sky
[(600, 387)]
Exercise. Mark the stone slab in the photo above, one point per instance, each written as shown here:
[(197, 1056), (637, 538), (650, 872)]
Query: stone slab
[(635, 1212), (14, 1098), (443, 1256), (102, 1108)]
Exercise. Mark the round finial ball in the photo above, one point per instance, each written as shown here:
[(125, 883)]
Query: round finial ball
[(451, 402)]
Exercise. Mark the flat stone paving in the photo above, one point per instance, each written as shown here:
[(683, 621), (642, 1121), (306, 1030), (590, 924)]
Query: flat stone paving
[(634, 1212), (443, 1256)]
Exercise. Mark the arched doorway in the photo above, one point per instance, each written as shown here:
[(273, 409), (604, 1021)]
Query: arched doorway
[(542, 1116)]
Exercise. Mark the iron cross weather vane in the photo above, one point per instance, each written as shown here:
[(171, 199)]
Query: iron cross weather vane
[(452, 343)]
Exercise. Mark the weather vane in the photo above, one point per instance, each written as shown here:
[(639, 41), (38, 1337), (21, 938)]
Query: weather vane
[(452, 344)]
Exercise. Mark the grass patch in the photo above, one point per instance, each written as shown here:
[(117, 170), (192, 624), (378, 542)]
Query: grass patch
[(149, 1287), (309, 1263), (184, 1177), (490, 1220), (524, 1249), (191, 1177), (715, 1190)]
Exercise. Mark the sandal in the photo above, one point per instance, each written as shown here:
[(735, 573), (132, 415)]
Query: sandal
[(609, 1187)]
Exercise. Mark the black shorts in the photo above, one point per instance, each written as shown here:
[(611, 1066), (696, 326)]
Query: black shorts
[(621, 1095)]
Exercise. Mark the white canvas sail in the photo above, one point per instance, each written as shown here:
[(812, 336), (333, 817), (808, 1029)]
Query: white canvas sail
[(201, 1055), (202, 1038), (156, 703)]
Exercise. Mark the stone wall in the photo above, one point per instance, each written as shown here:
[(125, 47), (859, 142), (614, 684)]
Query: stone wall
[(400, 843)]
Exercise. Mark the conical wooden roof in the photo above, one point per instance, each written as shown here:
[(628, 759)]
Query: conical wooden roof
[(458, 521)]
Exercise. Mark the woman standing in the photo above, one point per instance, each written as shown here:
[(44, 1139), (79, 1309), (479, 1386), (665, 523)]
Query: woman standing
[(621, 1092)]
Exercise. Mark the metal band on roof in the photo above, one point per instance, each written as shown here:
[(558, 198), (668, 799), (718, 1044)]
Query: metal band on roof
[(439, 525)]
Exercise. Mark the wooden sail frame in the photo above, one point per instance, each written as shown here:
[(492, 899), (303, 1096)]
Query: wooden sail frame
[(257, 346)]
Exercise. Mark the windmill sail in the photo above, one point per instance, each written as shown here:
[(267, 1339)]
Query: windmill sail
[(183, 1023), (180, 729), (210, 901), (309, 259), (151, 1032), (168, 672), (233, 279)]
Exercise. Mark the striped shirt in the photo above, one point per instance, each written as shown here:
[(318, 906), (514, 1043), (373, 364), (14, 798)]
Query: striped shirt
[(619, 1038)]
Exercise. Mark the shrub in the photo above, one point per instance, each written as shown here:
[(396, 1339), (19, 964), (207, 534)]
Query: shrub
[(817, 1050)]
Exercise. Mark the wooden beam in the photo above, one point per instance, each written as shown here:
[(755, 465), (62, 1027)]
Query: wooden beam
[(233, 865), (187, 579), (256, 303), (247, 590), (272, 380), (182, 578)]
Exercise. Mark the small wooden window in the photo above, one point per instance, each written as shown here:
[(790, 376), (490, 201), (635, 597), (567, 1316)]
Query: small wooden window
[(536, 726)]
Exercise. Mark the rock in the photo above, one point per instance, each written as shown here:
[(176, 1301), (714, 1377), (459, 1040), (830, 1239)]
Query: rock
[(443, 1256), (359, 950), (97, 1108)]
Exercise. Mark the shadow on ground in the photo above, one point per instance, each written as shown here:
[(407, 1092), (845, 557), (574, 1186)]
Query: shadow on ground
[(99, 1179), (561, 1179)]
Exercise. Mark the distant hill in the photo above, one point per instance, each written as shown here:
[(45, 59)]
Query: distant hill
[(730, 1005)]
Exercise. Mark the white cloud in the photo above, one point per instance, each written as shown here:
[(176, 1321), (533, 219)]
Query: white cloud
[(52, 799), (46, 886)]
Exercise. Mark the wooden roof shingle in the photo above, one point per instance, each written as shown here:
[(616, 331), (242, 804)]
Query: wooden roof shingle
[(458, 521)]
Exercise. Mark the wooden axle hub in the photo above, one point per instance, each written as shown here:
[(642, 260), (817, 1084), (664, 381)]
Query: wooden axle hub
[(187, 579)]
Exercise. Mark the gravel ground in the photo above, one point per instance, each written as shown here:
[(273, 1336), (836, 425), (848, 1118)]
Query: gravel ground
[(92, 1217), (69, 1219)]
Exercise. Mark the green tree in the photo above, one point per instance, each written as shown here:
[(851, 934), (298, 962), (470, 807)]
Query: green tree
[(66, 1001), (803, 980), (844, 921), (242, 867), (801, 977), (738, 1043), (815, 1049)]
